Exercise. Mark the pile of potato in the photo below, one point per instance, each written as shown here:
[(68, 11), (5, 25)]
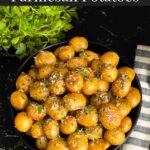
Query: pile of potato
[(75, 99)]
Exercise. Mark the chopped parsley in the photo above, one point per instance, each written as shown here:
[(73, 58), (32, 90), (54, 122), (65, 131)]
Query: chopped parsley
[(40, 109), (88, 110)]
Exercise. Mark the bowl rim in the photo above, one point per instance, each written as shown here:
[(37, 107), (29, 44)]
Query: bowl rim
[(62, 43)]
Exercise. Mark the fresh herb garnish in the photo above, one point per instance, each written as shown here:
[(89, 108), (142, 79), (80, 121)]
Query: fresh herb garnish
[(79, 139), (26, 29), (88, 110), (40, 109)]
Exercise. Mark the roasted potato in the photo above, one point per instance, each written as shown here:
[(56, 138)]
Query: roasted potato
[(120, 87), (44, 58), (55, 108), (126, 124), (19, 100), (39, 91), (41, 143), (88, 116), (57, 144), (68, 125), (51, 128), (96, 65), (114, 137), (90, 86), (74, 101), (99, 98), (79, 43), (33, 73), (65, 53), (109, 116), (94, 132), (44, 71), (37, 129), (110, 58), (36, 111), (23, 82), (77, 141), (108, 73), (98, 145), (89, 55), (126, 73), (23, 122), (103, 86), (123, 106), (76, 62), (133, 97), (74, 81)]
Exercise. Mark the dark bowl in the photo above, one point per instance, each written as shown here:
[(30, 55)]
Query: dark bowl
[(134, 114)]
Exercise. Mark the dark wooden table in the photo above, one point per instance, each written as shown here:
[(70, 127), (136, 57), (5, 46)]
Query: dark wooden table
[(120, 28)]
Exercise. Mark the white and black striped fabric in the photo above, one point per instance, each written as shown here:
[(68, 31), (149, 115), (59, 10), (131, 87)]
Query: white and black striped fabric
[(140, 137)]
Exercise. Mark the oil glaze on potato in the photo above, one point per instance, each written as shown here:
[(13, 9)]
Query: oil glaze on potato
[(68, 125), (23, 82), (44, 58), (77, 141), (74, 101), (133, 97), (109, 116), (23, 122), (19, 100), (36, 111), (79, 43), (88, 116)]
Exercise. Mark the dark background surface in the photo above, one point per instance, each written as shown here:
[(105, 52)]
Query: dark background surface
[(119, 28)]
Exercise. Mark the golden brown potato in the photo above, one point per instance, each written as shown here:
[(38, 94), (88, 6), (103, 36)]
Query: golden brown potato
[(110, 58), (37, 129), (74, 81), (55, 108), (79, 43), (120, 87), (94, 132), (103, 86), (51, 128), (126, 124), (99, 98), (123, 106), (23, 122), (74, 101), (44, 58), (77, 141), (39, 91), (98, 145), (114, 137), (88, 116), (109, 116), (96, 65), (23, 82), (127, 73), (44, 71), (68, 125), (36, 111), (133, 97), (62, 71), (57, 144), (90, 86), (57, 88), (19, 100), (89, 55), (41, 143), (108, 73), (66, 52), (33, 73), (76, 62)]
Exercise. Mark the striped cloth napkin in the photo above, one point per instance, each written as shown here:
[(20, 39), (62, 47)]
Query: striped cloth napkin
[(140, 137)]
